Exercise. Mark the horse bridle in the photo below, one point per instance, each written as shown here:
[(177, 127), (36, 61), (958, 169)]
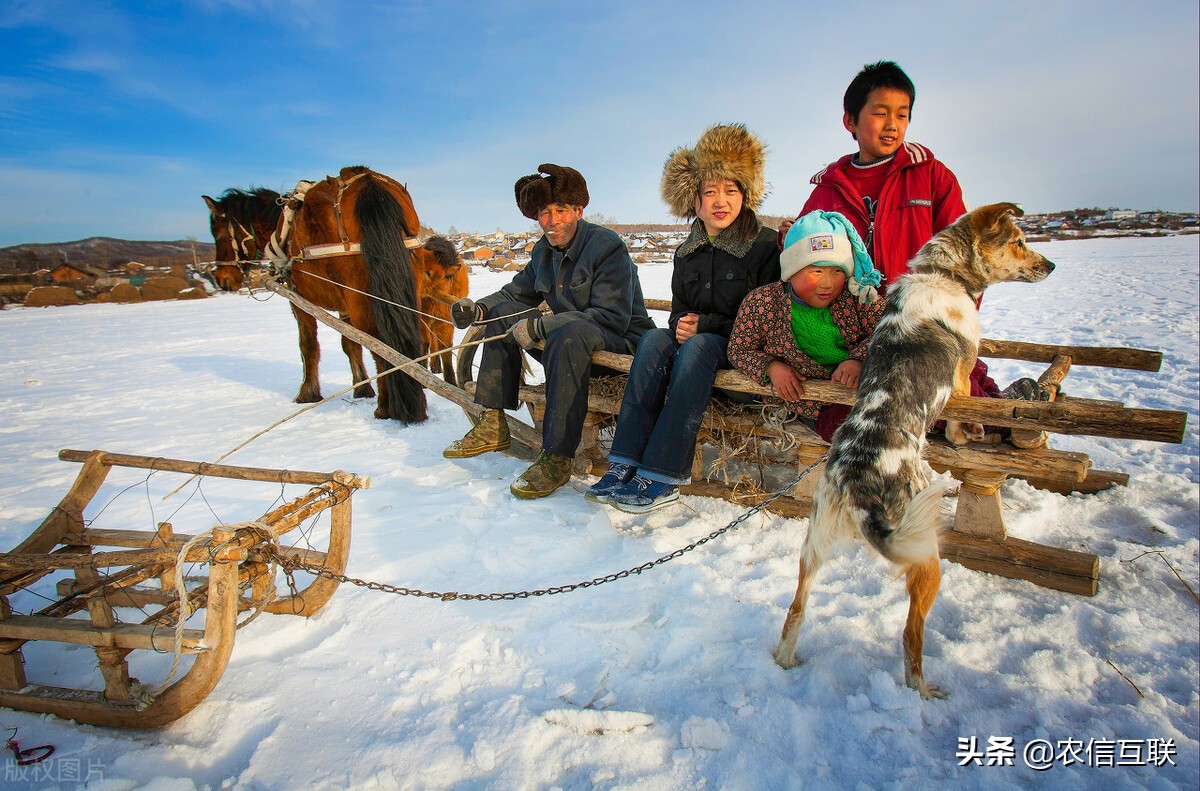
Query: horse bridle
[(291, 202)]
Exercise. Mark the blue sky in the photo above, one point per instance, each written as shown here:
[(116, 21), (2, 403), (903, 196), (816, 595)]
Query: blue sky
[(116, 117)]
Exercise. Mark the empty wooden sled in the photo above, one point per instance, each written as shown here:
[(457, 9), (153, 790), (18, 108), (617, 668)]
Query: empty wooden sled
[(113, 569)]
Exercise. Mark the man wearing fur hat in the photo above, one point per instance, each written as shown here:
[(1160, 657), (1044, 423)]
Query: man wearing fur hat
[(584, 274)]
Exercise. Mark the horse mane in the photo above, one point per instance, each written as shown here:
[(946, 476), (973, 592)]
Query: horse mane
[(443, 250), (245, 205)]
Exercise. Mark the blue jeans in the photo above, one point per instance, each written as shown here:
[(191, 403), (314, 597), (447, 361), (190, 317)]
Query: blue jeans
[(669, 388), (567, 360)]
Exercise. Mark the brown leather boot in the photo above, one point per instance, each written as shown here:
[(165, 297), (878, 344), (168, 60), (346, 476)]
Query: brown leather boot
[(544, 476), (490, 433)]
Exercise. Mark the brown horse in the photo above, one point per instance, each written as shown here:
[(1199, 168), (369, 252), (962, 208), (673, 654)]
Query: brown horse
[(331, 229), (241, 222), (442, 281)]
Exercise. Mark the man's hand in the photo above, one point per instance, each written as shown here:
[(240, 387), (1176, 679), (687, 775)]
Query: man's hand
[(686, 327), (526, 332), (465, 312), (847, 373), (785, 380)]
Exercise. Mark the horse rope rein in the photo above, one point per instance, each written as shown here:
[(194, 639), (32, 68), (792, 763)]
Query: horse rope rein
[(291, 564)]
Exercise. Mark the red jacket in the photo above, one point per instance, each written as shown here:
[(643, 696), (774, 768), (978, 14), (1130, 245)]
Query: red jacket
[(920, 196)]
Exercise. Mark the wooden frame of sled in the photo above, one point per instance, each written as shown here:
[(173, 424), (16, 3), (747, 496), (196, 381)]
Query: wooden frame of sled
[(110, 567), (979, 538)]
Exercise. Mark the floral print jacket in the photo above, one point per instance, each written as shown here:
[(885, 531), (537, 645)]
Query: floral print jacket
[(762, 333)]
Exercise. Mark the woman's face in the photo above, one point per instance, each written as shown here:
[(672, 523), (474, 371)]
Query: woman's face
[(718, 205)]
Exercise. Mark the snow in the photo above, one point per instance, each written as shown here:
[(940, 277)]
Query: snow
[(658, 681)]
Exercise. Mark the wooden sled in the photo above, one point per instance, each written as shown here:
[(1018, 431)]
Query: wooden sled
[(979, 538), (238, 579)]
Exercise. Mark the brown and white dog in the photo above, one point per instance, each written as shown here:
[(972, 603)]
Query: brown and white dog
[(875, 482)]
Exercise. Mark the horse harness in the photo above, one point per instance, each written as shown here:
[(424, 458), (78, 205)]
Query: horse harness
[(291, 202)]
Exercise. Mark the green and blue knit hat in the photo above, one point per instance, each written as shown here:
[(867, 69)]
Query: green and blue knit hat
[(827, 238)]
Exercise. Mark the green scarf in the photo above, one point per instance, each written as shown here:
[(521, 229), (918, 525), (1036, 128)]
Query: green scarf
[(817, 336)]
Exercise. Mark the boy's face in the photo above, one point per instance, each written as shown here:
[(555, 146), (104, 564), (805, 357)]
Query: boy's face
[(818, 284), (881, 124)]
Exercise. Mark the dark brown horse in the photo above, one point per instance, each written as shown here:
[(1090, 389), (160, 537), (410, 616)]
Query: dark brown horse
[(349, 239), (441, 281), (242, 222)]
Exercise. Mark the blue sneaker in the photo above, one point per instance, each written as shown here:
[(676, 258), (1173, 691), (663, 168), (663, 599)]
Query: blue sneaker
[(642, 495), (617, 476)]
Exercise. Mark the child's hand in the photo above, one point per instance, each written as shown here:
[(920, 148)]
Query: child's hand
[(847, 373), (785, 380), (686, 327)]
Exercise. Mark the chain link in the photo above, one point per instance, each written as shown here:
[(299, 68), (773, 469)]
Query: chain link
[(291, 565)]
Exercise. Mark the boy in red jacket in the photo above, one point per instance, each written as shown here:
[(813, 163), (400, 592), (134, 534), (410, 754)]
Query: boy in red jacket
[(895, 192)]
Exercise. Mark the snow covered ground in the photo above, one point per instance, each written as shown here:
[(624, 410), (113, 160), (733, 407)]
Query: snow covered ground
[(658, 681)]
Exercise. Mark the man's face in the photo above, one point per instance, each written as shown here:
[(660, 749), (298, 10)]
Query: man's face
[(559, 222)]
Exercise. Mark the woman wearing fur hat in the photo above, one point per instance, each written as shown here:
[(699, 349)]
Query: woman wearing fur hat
[(719, 183)]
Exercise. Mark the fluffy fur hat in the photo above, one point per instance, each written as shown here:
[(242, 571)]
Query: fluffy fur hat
[(724, 151), (559, 184), (827, 238)]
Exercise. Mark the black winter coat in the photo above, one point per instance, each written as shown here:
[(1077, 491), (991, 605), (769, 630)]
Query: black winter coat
[(712, 278)]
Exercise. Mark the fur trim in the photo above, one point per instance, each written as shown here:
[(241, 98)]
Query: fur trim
[(726, 240), (724, 151), (560, 184)]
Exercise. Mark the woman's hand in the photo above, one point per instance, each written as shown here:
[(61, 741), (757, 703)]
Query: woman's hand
[(686, 327), (847, 373), (785, 380)]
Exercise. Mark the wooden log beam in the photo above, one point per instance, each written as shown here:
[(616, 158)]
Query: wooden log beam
[(216, 470), (1050, 567), (121, 635), (521, 432), (1077, 416), (1106, 356)]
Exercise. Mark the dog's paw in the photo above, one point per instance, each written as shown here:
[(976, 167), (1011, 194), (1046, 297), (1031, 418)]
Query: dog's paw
[(927, 691), (786, 660)]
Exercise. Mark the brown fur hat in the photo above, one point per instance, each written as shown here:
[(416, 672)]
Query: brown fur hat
[(724, 151), (560, 184)]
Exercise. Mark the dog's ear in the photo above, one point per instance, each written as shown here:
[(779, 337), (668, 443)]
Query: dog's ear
[(993, 215)]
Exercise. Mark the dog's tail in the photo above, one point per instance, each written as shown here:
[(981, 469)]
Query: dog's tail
[(915, 538)]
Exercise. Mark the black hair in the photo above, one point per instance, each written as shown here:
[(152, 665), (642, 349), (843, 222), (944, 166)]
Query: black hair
[(882, 74)]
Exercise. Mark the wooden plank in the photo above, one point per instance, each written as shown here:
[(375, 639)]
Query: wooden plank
[(122, 635), (1075, 416), (1096, 481), (1051, 567), (213, 470), (1106, 356)]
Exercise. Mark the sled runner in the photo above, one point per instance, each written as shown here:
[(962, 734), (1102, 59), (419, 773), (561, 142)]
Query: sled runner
[(105, 571)]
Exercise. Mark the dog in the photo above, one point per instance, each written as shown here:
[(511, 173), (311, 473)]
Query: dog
[(875, 483)]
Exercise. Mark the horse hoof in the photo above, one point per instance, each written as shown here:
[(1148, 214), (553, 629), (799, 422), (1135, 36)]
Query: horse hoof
[(364, 392)]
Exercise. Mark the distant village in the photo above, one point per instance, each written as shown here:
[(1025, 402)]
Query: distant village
[(70, 267), (502, 250)]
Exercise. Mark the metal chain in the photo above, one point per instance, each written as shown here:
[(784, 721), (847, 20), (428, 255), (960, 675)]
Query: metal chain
[(290, 565)]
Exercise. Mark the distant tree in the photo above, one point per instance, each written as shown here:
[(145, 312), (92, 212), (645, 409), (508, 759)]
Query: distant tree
[(596, 218), (452, 231)]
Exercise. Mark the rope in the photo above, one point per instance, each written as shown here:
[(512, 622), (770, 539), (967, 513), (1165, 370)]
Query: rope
[(342, 392), (185, 612)]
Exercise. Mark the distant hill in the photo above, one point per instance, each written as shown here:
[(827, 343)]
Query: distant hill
[(103, 252)]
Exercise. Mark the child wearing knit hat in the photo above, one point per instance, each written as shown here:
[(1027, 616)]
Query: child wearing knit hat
[(816, 322)]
